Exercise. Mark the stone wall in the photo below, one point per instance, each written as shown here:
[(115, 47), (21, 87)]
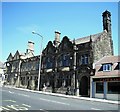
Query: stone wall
[(102, 47)]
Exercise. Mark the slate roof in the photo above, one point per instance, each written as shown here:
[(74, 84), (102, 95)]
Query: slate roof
[(107, 59), (87, 38)]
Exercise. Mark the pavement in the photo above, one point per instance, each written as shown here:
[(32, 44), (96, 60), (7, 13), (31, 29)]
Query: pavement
[(67, 96)]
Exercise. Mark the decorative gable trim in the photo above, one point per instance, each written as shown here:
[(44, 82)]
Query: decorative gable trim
[(50, 49), (65, 44), (17, 55), (10, 57)]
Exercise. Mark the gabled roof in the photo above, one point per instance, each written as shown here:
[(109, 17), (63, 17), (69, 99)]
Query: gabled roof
[(19, 54), (105, 60), (108, 59), (16, 55), (88, 38), (10, 57)]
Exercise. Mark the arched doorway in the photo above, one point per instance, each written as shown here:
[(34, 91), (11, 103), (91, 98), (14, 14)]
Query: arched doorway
[(84, 86)]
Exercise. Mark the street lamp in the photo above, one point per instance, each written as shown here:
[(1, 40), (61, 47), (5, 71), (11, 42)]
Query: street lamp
[(40, 58)]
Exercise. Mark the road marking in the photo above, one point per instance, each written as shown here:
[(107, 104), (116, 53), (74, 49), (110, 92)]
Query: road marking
[(26, 105), (10, 101), (12, 107), (17, 107), (11, 92), (3, 108), (54, 101), (43, 110), (95, 109), (23, 95)]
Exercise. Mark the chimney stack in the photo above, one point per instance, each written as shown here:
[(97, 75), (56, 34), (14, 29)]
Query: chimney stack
[(57, 38), (30, 47)]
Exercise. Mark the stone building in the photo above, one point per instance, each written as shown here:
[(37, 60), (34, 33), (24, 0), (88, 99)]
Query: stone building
[(67, 65), (14, 65)]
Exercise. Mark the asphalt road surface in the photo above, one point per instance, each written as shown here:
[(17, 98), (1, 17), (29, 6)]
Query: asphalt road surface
[(14, 100)]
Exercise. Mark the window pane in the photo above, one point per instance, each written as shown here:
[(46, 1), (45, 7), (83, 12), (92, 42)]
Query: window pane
[(114, 87), (107, 67), (82, 60), (86, 59), (99, 87)]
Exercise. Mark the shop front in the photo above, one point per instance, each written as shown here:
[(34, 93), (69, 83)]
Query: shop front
[(105, 87)]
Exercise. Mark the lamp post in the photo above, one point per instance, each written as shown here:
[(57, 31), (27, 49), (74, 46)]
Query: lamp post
[(40, 58)]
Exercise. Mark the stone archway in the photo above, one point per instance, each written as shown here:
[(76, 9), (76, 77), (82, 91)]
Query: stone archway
[(84, 86)]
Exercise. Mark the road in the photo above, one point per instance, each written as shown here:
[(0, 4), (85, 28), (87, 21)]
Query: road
[(14, 100)]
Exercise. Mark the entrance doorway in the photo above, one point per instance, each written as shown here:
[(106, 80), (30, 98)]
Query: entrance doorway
[(84, 86), (36, 84), (28, 85)]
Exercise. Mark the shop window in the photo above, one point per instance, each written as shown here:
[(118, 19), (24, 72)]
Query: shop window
[(99, 87), (107, 67), (113, 87)]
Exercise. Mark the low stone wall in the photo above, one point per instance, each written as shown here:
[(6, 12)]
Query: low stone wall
[(62, 90), (114, 97), (99, 95)]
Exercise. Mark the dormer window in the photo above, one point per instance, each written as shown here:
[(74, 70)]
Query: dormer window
[(107, 67)]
